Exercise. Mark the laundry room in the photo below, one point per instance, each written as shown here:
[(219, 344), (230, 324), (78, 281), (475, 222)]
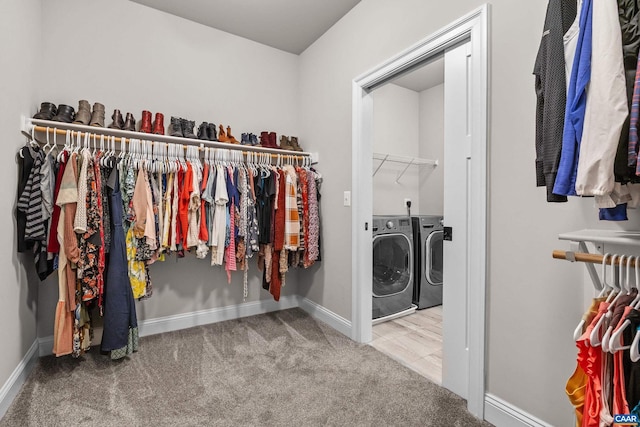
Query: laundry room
[(408, 207)]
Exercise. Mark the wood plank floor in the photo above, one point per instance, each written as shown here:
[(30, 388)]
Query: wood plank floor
[(414, 340)]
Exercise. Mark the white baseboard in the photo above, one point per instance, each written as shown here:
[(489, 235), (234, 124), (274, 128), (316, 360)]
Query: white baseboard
[(501, 413), (17, 378), (319, 312), (205, 317), (214, 315)]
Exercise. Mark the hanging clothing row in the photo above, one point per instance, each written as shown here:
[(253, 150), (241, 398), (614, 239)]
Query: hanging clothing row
[(103, 218), (606, 381), (587, 85)]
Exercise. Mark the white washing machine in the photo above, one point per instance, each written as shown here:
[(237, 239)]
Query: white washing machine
[(428, 233), (392, 267)]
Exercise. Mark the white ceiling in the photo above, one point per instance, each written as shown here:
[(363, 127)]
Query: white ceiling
[(423, 78), (288, 25)]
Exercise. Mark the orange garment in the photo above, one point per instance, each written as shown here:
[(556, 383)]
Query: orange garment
[(590, 360), (577, 383), (183, 207)]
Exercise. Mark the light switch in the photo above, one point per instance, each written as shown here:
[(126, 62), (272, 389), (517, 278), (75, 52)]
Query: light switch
[(347, 198)]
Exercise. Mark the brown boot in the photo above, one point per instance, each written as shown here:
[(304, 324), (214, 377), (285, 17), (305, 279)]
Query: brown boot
[(285, 144), (130, 123), (230, 137), (222, 137), (83, 116), (97, 117), (264, 139), (117, 120), (295, 145)]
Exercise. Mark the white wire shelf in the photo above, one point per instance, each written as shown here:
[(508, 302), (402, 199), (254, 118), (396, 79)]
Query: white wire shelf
[(407, 160)]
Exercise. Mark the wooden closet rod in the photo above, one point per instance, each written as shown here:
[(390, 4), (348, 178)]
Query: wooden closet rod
[(222, 145), (590, 258)]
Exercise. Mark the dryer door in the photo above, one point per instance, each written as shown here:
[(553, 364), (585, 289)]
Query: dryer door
[(433, 258), (392, 264)]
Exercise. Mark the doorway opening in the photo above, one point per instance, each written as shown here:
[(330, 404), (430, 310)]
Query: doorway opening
[(465, 42)]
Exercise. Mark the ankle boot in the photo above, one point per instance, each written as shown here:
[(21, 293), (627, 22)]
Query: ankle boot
[(285, 144), (145, 122), (97, 117), (187, 128), (295, 145), (47, 111), (83, 117), (222, 137), (264, 139), (272, 140), (203, 131), (232, 139), (212, 132), (244, 139), (253, 139), (175, 127), (66, 114), (130, 123), (117, 122), (158, 124)]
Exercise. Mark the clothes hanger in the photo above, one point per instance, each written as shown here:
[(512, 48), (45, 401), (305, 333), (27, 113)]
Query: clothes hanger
[(624, 262), (616, 343), (594, 337), (577, 333)]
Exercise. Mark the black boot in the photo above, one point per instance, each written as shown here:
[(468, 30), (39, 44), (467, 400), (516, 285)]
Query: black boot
[(118, 122), (203, 131), (66, 114), (175, 127), (213, 135), (187, 128), (47, 111)]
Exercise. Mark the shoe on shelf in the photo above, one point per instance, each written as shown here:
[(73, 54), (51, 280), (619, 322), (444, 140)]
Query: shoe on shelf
[(272, 140), (116, 120), (253, 140), (203, 131), (295, 145), (66, 114), (213, 136), (244, 139), (83, 116), (175, 127), (145, 122), (222, 137), (158, 124), (187, 128), (97, 116), (285, 144), (47, 111), (232, 139), (130, 123)]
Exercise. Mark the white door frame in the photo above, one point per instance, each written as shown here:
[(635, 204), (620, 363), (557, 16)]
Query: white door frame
[(475, 28)]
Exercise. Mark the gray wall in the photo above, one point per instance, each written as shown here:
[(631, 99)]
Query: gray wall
[(534, 302), (19, 20), (431, 146), (396, 132), (132, 57)]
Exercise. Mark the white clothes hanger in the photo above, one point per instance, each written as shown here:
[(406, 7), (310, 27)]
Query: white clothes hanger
[(624, 262), (594, 337), (577, 333)]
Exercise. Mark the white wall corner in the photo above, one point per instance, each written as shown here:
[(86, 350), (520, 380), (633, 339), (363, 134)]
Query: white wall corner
[(502, 413), (327, 316), (16, 380)]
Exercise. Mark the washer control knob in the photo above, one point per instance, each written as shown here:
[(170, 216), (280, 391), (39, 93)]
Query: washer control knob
[(389, 224)]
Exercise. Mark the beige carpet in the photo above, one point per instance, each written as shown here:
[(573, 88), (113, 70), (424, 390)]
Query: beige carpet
[(278, 369)]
